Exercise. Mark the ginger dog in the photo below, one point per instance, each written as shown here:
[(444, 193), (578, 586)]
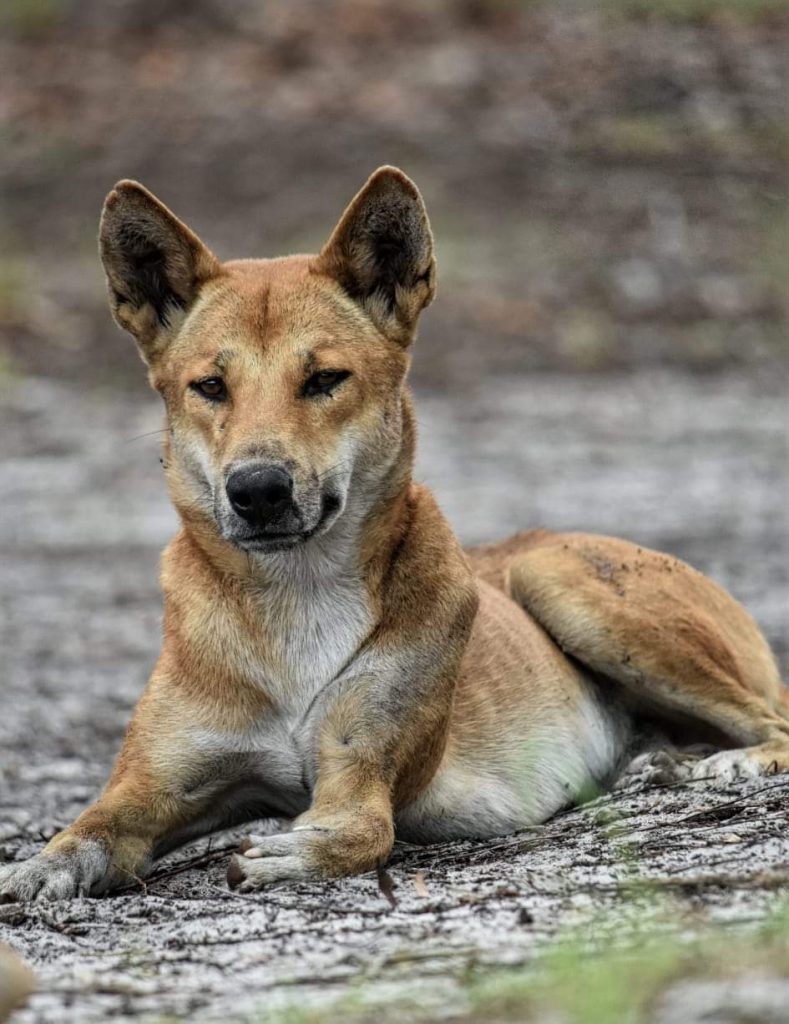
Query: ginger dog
[(330, 653)]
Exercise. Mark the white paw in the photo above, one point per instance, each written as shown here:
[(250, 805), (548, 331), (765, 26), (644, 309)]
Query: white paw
[(729, 766), (265, 860), (53, 876)]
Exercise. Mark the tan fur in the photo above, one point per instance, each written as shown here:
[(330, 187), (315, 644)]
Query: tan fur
[(357, 671), (669, 635), (16, 982)]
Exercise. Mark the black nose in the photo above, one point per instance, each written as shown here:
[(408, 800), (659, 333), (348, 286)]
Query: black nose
[(257, 492)]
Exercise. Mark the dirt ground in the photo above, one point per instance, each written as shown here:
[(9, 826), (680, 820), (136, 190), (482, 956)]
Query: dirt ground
[(608, 352), (694, 465)]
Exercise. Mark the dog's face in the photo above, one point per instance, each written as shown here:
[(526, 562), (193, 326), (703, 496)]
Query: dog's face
[(283, 379)]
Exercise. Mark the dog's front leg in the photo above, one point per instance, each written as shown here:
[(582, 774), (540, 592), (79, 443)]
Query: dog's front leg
[(383, 724), (151, 795), (348, 828), (109, 844), (380, 740)]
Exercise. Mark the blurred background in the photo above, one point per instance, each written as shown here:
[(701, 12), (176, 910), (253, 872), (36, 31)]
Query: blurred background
[(606, 181), (608, 351)]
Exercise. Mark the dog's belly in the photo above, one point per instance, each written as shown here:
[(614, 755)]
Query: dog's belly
[(530, 733), (535, 769)]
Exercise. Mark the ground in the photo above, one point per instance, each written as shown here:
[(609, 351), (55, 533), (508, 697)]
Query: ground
[(608, 351), (687, 464)]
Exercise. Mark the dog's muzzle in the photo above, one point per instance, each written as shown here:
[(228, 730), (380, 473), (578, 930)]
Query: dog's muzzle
[(265, 512)]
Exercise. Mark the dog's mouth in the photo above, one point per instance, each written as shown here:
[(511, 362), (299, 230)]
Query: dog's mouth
[(284, 540), (273, 541)]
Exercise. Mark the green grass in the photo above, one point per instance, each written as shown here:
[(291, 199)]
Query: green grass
[(14, 287), (598, 974), (582, 988), (644, 135), (771, 261), (575, 985)]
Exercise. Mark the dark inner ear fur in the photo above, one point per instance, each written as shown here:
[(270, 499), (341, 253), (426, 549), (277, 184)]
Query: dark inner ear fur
[(381, 252), (384, 250), (147, 275), (154, 263)]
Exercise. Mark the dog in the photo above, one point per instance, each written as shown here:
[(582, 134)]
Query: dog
[(331, 654)]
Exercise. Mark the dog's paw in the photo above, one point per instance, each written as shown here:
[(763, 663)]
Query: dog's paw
[(265, 860), (60, 875), (732, 765), (658, 767)]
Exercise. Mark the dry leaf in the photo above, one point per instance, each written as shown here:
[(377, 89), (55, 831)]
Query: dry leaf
[(419, 884)]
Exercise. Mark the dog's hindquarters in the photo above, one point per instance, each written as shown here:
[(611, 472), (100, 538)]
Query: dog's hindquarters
[(675, 641)]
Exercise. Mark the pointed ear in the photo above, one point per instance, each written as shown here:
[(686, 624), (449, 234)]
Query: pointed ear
[(381, 252), (154, 265)]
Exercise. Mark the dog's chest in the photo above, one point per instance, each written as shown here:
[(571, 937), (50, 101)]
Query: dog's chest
[(311, 630), (304, 637)]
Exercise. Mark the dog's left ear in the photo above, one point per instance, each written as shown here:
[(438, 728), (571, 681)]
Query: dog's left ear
[(381, 252), (155, 265)]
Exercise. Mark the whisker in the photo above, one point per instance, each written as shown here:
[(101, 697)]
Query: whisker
[(150, 433), (339, 467)]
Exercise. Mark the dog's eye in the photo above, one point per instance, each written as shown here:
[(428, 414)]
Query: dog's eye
[(324, 382), (210, 387)]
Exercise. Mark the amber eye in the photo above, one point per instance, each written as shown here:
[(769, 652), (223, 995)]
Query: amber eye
[(324, 382), (210, 387)]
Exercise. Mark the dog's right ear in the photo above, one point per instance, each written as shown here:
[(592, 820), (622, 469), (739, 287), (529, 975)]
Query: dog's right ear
[(154, 264)]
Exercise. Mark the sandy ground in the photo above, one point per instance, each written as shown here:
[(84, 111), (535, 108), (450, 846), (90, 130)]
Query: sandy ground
[(694, 464)]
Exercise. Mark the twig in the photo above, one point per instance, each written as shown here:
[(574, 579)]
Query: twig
[(201, 860), (387, 886)]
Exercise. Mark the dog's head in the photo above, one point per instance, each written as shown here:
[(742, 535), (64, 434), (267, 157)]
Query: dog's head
[(283, 379)]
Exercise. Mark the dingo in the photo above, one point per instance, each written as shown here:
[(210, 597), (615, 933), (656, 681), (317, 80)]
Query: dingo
[(330, 653)]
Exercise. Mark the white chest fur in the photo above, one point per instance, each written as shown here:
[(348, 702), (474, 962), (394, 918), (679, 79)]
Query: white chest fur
[(308, 618), (314, 613)]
